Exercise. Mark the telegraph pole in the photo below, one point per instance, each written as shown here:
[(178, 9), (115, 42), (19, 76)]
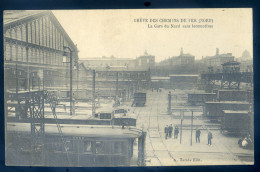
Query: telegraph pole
[(116, 89), (70, 75), (93, 93), (182, 115), (70, 81), (169, 103), (191, 128)]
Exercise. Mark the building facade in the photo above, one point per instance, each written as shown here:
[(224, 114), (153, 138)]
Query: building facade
[(145, 61), (246, 62), (33, 51), (217, 60), (183, 60), (108, 62)]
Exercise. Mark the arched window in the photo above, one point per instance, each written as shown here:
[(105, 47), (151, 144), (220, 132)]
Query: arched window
[(19, 33), (24, 54), (8, 33), (19, 53), (44, 56), (7, 52), (13, 34), (13, 53), (36, 56), (30, 32), (33, 32), (23, 33)]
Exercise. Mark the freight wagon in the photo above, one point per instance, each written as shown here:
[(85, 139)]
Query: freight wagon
[(200, 98), (139, 99), (235, 122), (213, 110)]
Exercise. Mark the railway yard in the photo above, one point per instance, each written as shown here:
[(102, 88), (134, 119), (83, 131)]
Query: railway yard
[(152, 119), (63, 108)]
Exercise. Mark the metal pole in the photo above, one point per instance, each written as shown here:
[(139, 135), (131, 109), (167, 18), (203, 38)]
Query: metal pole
[(93, 93), (39, 83), (191, 128), (43, 81), (70, 81), (182, 115), (116, 88), (169, 103), (16, 78), (77, 78)]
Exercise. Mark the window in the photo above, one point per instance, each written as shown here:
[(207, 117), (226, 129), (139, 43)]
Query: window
[(68, 145), (100, 148), (87, 147), (118, 147)]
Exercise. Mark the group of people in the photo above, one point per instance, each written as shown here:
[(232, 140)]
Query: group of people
[(168, 132), (169, 129)]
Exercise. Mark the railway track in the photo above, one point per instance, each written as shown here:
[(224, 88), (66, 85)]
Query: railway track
[(155, 134)]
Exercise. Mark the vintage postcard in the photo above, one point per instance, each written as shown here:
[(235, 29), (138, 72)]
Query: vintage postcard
[(159, 87)]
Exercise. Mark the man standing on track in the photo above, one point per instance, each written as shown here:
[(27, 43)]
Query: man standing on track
[(209, 137), (176, 132), (198, 135), (166, 131), (170, 131)]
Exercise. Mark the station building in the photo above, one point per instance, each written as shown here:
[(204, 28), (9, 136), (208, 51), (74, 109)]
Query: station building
[(33, 51)]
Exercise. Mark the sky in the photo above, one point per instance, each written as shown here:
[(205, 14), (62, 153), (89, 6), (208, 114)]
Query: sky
[(100, 33)]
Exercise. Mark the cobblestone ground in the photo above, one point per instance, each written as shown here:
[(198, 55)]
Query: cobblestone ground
[(159, 151)]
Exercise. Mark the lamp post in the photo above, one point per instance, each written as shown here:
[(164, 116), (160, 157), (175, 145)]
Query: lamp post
[(65, 55)]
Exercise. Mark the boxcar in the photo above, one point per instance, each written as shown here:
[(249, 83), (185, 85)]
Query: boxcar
[(213, 110), (234, 95), (236, 122), (200, 98), (139, 99)]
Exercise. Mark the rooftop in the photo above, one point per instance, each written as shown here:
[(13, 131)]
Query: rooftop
[(234, 112), (11, 16), (100, 131)]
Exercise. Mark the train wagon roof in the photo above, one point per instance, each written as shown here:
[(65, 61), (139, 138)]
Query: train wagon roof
[(96, 131), (201, 93), (228, 102), (234, 90), (235, 112)]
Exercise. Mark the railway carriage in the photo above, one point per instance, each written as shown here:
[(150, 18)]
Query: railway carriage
[(82, 146)]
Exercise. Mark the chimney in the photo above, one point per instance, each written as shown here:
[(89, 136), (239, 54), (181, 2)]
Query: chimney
[(217, 51), (181, 52)]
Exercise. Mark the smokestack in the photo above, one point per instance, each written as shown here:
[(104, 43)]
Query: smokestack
[(217, 51), (181, 51)]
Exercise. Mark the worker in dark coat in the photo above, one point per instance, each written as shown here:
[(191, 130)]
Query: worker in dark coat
[(170, 131), (166, 131), (176, 132), (198, 135), (209, 137)]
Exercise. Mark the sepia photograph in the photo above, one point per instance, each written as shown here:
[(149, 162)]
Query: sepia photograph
[(128, 87)]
